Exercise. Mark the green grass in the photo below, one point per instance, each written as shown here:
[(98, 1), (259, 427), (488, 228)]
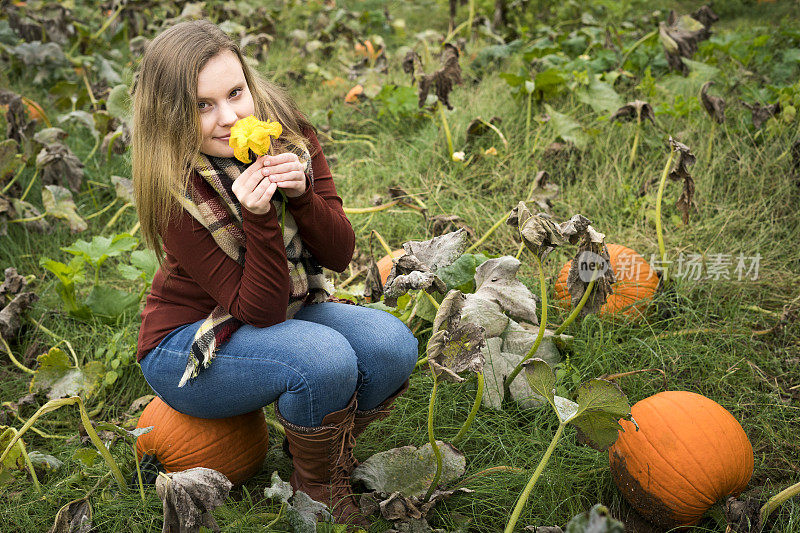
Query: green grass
[(747, 201)]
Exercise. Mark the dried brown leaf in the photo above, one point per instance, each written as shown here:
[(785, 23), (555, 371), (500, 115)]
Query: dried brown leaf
[(633, 109), (680, 37), (189, 497), (74, 517), (714, 105), (591, 261), (59, 166), (412, 62), (681, 172), (13, 284), (10, 316), (441, 224), (762, 113), (456, 344), (442, 80), (539, 233)]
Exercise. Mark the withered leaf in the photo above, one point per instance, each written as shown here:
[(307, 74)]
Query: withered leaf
[(400, 508), (714, 105), (120, 137), (124, 188), (590, 261), (59, 166), (443, 79), (636, 110), (189, 497), (6, 213), (18, 126), (543, 191), (499, 294), (456, 344), (744, 516), (705, 16), (28, 210), (74, 517), (373, 288), (417, 268), (441, 224), (13, 284), (411, 62), (762, 113), (680, 37), (539, 233), (681, 172), (10, 319), (58, 203)]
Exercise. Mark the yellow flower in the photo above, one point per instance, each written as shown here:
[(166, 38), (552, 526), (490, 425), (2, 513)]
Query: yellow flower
[(250, 133)]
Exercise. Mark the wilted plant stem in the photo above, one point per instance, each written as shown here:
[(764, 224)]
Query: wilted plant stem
[(659, 231), (574, 314), (432, 440), (382, 241), (433, 302), (475, 406), (11, 182), (711, 139), (528, 123), (14, 359), (446, 128), (526, 492), (636, 137), (539, 336), (774, 502), (138, 473), (30, 184), (24, 454)]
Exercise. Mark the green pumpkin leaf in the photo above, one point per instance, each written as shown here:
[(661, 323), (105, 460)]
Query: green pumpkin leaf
[(600, 406), (86, 456), (541, 378), (567, 128), (109, 302), (600, 96), (58, 203), (461, 273), (44, 461), (101, 248)]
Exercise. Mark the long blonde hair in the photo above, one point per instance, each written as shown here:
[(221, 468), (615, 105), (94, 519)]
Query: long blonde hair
[(166, 120)]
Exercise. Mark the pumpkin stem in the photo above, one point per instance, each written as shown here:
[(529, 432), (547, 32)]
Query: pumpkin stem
[(433, 302), (432, 440), (14, 359), (523, 498), (659, 231), (382, 241), (542, 325), (475, 406), (774, 502)]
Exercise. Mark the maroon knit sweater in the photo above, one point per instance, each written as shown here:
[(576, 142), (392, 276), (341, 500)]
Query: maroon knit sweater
[(202, 276)]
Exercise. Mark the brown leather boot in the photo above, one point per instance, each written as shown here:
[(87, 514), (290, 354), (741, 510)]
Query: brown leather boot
[(364, 418), (320, 456)]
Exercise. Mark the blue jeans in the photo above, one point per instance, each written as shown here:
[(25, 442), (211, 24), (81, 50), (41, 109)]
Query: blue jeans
[(311, 364)]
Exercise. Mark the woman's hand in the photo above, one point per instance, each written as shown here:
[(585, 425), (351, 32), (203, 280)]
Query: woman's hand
[(287, 172), (253, 190)]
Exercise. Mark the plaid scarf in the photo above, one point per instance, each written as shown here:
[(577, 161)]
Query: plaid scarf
[(210, 200)]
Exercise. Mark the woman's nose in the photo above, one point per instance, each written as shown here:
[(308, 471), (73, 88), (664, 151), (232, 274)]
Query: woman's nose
[(227, 115)]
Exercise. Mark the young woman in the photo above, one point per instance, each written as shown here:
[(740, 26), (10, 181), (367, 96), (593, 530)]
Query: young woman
[(237, 315)]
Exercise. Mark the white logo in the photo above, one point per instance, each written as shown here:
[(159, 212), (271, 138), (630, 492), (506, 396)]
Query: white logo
[(591, 266)]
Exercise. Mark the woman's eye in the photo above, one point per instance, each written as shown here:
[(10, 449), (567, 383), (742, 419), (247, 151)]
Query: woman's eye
[(200, 106), (235, 93)]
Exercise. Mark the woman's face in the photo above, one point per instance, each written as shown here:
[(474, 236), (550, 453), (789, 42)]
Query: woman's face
[(223, 98)]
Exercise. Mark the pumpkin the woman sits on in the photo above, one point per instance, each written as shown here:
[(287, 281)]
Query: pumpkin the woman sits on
[(238, 317)]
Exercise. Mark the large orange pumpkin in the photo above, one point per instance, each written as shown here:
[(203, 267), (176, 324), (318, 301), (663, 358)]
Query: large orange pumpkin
[(385, 264), (234, 446), (635, 287), (688, 453)]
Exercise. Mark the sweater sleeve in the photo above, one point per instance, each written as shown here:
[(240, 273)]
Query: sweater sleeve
[(321, 221), (256, 293)]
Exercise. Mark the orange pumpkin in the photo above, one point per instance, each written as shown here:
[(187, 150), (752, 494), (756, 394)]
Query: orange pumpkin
[(635, 287), (234, 446), (385, 264), (688, 453), (353, 94)]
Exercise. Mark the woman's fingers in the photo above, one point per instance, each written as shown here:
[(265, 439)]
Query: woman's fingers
[(282, 168)]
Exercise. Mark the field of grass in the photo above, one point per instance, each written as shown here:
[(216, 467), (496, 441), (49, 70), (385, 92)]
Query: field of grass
[(707, 335)]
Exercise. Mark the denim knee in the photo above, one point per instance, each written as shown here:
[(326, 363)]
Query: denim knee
[(325, 375)]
